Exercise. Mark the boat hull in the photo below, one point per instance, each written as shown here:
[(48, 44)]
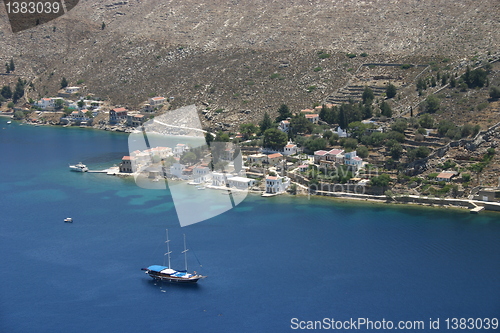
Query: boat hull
[(173, 279)]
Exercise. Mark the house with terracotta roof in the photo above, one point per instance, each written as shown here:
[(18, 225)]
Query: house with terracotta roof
[(117, 115), (319, 155), (352, 160), (277, 184), (314, 118), (274, 158), (335, 155), (157, 101), (290, 149), (305, 111), (135, 119), (446, 176), (256, 158), (126, 164)]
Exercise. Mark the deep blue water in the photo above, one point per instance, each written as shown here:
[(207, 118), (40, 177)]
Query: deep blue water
[(268, 260)]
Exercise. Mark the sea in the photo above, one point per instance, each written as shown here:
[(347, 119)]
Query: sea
[(277, 264)]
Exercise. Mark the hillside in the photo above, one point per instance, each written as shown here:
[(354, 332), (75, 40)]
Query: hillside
[(239, 55)]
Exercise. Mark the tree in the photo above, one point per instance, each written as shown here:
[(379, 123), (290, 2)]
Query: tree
[(89, 114), (59, 104), (7, 68), (64, 83), (368, 96), (18, 91), (275, 139), (385, 109), (284, 112), (300, 124), (390, 91), (6, 92), (188, 158), (396, 151), (362, 151), (209, 138), (426, 121), (12, 67), (400, 125), (80, 104), (18, 115), (495, 92), (247, 130), (222, 137), (103, 25), (266, 123), (432, 104), (350, 143), (383, 180)]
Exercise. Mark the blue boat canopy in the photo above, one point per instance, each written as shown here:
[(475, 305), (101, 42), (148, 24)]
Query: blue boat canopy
[(156, 268)]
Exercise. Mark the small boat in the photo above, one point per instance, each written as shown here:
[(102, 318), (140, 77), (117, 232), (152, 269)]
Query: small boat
[(9, 122), (68, 220), (80, 167), (167, 274)]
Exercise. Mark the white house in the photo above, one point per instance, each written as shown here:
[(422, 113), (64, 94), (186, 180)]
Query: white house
[(257, 158), (180, 148), (341, 133), (284, 126), (126, 164), (277, 184), (314, 118), (176, 169), (220, 179), (72, 90), (201, 173), (352, 160), (241, 183), (157, 101), (290, 149)]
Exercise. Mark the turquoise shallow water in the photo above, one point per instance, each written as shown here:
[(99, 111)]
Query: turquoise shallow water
[(268, 260)]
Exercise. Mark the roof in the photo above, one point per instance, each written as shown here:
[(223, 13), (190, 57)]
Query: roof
[(357, 158), (127, 158), (314, 115), (307, 111), (157, 98), (271, 178), (285, 122), (320, 152), (335, 152), (274, 155), (303, 166), (119, 110), (240, 179), (157, 268), (446, 174), (290, 146)]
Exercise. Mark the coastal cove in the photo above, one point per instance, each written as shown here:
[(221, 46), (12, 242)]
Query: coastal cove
[(268, 260)]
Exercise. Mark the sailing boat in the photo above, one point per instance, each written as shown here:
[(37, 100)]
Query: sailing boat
[(165, 273)]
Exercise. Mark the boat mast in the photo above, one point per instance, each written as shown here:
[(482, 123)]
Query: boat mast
[(168, 250), (185, 253)]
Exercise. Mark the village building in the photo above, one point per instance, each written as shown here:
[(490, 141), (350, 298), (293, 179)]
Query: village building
[(219, 178), (284, 126), (202, 173), (276, 184), (274, 159), (335, 155), (135, 119), (353, 161), (117, 115), (446, 176), (257, 158), (176, 170), (319, 155), (126, 164), (180, 148), (290, 149), (72, 90), (241, 183), (314, 118), (157, 101)]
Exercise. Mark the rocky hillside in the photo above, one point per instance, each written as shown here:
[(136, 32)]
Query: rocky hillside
[(239, 57)]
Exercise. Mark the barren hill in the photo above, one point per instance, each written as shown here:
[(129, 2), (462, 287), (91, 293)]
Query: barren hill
[(239, 55)]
